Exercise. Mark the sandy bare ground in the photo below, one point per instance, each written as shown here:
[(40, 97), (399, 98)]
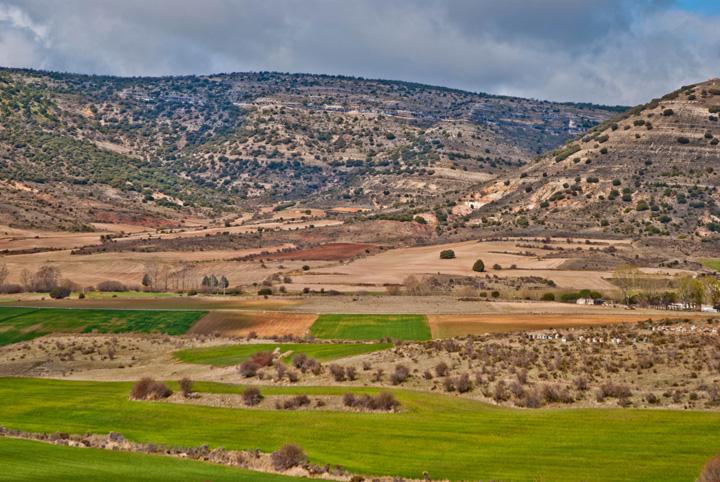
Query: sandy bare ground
[(395, 265), (264, 324), (129, 267), (446, 326)]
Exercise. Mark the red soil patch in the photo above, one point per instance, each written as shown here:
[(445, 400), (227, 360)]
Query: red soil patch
[(445, 326), (325, 252)]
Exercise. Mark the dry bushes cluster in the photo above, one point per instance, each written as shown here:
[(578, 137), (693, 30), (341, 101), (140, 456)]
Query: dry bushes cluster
[(672, 363), (149, 389), (384, 401)]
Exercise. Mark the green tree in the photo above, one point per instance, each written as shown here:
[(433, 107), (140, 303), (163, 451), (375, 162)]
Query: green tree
[(479, 266), (447, 254)]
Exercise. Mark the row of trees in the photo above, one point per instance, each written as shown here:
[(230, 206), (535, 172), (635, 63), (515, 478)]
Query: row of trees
[(157, 277), (638, 287), (183, 277)]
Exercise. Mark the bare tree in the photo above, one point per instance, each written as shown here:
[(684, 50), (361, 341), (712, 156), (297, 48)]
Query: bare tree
[(4, 273), (626, 277)]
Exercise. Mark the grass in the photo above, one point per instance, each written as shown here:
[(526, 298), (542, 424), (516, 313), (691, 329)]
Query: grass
[(19, 460), (371, 327), (447, 436), (713, 264), (20, 324), (226, 355)]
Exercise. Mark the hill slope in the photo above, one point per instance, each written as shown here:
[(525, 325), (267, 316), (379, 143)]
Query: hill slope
[(652, 170), (79, 149)]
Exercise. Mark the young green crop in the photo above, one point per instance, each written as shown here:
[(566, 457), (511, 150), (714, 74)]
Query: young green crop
[(19, 324), (226, 355), (447, 436), (371, 327)]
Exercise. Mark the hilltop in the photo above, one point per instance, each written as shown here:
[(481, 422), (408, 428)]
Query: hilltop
[(652, 170)]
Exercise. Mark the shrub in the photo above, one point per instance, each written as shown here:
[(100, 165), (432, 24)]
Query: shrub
[(683, 140), (149, 389), (479, 266), (447, 254), (420, 220), (59, 292), (186, 387), (11, 289), (252, 396), (711, 471), (383, 401), (441, 369), (287, 457), (400, 375), (296, 402), (248, 369), (265, 291), (548, 297), (612, 390), (463, 383), (262, 358), (337, 372), (107, 286)]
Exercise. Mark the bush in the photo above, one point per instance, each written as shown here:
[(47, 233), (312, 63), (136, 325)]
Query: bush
[(337, 372), (108, 286), (711, 471), (683, 140), (186, 387), (295, 402), (287, 457), (248, 369), (265, 291), (548, 297), (11, 289), (59, 292), (447, 254), (149, 389), (262, 358), (479, 266), (400, 375), (252, 396), (613, 390), (441, 369), (384, 401)]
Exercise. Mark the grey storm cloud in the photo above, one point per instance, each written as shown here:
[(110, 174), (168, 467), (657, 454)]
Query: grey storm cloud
[(606, 51)]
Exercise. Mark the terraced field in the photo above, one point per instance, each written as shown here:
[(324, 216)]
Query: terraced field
[(227, 355), (371, 327), (20, 324), (470, 440)]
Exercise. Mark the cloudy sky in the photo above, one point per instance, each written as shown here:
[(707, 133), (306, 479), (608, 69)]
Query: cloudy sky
[(605, 51)]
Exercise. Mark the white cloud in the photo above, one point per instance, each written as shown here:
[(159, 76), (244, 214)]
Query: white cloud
[(610, 51)]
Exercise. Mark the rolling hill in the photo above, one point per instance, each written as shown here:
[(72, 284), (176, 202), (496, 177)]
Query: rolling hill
[(77, 149), (652, 170)]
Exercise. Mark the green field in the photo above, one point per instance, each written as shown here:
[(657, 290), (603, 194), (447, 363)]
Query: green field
[(226, 355), (711, 263), (36, 461), (447, 436), (371, 327), (20, 324)]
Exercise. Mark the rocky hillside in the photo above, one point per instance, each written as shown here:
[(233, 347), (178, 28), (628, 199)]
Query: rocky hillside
[(80, 149), (653, 170)]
